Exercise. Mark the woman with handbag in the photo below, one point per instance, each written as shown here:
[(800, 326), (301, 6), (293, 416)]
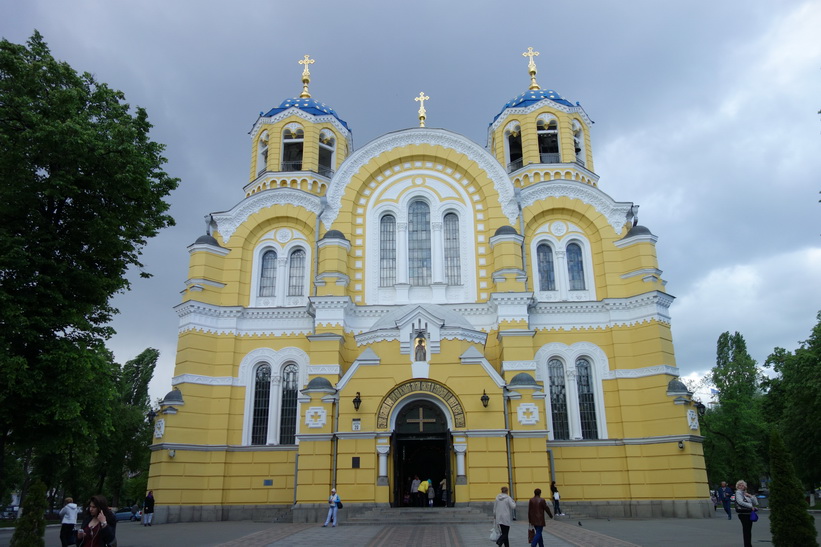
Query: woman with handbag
[(333, 507), (503, 507), (554, 492), (745, 506)]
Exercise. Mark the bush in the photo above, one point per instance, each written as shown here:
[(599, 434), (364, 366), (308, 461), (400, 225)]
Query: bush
[(790, 523), (31, 527)]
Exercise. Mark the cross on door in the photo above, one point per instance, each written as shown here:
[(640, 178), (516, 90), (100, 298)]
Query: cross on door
[(421, 420)]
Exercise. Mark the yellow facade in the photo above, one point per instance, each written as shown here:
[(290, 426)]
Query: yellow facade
[(425, 306)]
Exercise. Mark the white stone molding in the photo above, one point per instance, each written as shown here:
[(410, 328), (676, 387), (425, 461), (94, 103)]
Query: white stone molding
[(294, 128), (159, 428), (228, 222), (239, 321), (204, 380), (509, 366), (523, 110), (632, 240), (527, 414), (692, 419), (643, 372), (414, 137), (315, 417), (366, 358), (607, 313), (204, 247), (382, 452), (323, 370), (310, 118), (615, 212), (283, 242), (473, 356)]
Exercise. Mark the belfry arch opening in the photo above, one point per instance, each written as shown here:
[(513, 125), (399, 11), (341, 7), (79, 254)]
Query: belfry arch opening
[(422, 447)]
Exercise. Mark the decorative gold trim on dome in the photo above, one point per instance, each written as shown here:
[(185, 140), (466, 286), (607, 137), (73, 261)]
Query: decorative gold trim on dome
[(306, 76), (422, 98), (531, 67)]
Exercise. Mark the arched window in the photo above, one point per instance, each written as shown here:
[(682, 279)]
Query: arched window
[(262, 401), (575, 267), (288, 415), (513, 144), (547, 275), (548, 131), (296, 273), (268, 275), (293, 139), (558, 400), (453, 271), (262, 153), (387, 251), (327, 145), (419, 255), (578, 142), (587, 402)]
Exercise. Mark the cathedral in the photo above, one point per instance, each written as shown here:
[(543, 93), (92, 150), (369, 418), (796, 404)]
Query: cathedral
[(426, 307)]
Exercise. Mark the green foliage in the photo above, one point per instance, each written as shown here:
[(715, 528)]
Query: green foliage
[(83, 190), (794, 402), (790, 523), (734, 430), (31, 527)]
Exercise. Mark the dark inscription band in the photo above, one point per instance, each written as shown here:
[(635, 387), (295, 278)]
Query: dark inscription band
[(416, 386)]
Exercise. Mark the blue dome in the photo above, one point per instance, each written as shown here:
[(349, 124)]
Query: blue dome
[(311, 106), (532, 96)]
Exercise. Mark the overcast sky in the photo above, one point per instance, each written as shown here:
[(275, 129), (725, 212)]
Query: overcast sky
[(705, 115)]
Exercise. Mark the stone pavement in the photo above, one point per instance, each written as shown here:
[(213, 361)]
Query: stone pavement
[(566, 532)]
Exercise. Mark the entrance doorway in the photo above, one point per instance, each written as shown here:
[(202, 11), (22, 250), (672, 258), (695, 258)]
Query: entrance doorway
[(421, 447)]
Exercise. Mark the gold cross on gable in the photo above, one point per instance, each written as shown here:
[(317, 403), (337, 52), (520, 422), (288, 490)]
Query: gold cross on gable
[(422, 98), (531, 67), (421, 420), (306, 76)]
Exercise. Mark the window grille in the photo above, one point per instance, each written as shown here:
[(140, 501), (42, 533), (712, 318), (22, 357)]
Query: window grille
[(575, 268), (453, 270), (387, 251), (262, 402), (558, 400), (587, 404), (547, 276), (296, 274), (287, 425), (268, 277), (419, 255)]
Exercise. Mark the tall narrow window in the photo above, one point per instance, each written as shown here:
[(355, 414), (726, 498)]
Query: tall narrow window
[(419, 255), (327, 143), (558, 400), (387, 251), (262, 153), (513, 140), (575, 268), (293, 139), (262, 402), (453, 270), (296, 273), (547, 276), (268, 276), (587, 403), (287, 424), (548, 133)]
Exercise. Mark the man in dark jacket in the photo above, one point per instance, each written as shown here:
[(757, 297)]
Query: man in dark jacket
[(535, 516), (723, 496)]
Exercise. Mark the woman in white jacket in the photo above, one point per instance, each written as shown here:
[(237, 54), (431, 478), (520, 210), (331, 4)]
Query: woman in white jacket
[(69, 514), (745, 505), (502, 512)]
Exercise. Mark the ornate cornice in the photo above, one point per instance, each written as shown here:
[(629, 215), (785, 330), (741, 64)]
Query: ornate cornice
[(239, 321), (228, 222), (308, 117), (523, 110), (614, 211), (414, 137)]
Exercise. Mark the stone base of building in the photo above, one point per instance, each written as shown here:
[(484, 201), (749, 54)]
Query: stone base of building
[(167, 514)]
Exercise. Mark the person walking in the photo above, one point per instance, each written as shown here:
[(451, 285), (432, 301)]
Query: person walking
[(69, 520), (554, 493), (415, 490), (333, 509), (148, 508), (745, 505), (503, 506), (443, 489), (423, 493), (431, 493), (536, 509), (724, 493)]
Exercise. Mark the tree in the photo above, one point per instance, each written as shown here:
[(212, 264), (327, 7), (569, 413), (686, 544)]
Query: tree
[(31, 527), (83, 190), (734, 429), (790, 523)]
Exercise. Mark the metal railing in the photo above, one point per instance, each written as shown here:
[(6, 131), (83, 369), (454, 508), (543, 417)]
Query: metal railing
[(550, 157), (514, 165), (291, 166)]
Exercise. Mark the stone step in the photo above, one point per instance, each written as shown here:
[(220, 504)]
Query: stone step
[(420, 515)]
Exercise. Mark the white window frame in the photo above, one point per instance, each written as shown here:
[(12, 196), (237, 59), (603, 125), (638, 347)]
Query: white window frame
[(568, 355), (560, 267), (512, 126), (280, 298), (278, 360), (262, 153), (547, 118)]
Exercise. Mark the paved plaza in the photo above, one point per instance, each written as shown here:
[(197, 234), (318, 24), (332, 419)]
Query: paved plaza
[(715, 532)]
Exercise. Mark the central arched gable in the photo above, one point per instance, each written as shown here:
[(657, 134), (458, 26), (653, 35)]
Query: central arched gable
[(418, 137)]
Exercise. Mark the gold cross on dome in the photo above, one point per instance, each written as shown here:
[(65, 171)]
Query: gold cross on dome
[(531, 67), (306, 76), (422, 98)]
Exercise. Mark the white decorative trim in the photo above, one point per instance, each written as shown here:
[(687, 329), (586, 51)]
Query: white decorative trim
[(323, 370), (643, 271), (692, 419), (508, 366), (413, 137), (615, 212), (315, 417), (655, 370), (523, 110), (535, 434), (239, 321), (641, 238), (203, 380), (159, 428), (228, 222), (484, 433), (196, 247), (527, 413), (608, 313), (310, 118)]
